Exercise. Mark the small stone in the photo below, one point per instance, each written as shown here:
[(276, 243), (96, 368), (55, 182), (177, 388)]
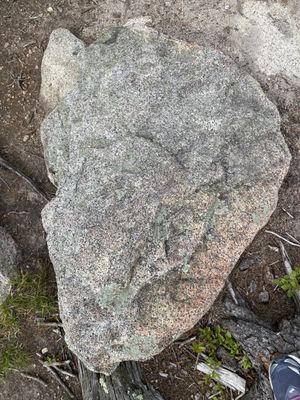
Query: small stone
[(249, 262), (227, 359), (163, 374), (273, 248), (44, 350), (263, 297), (26, 138), (184, 372), (50, 9), (269, 277), (252, 287)]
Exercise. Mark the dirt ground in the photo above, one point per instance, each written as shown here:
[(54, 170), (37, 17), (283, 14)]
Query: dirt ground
[(24, 30)]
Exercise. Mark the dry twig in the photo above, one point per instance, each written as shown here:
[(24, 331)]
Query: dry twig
[(58, 379), (292, 237), (64, 372), (232, 292), (226, 377), (282, 238), (288, 213), (33, 378), (11, 168), (52, 324), (189, 340)]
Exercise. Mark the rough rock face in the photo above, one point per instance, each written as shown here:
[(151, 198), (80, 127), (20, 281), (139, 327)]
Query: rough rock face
[(168, 160), (8, 263), (59, 66)]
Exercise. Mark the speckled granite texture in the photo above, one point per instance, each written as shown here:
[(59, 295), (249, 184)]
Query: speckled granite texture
[(168, 159)]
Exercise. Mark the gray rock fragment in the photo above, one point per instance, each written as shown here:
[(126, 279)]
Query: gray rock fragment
[(249, 262), (264, 297), (8, 263), (252, 286), (168, 160), (269, 277)]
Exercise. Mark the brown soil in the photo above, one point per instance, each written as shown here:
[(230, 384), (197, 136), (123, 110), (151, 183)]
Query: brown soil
[(24, 30)]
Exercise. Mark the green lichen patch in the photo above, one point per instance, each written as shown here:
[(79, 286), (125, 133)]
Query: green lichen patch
[(115, 295), (140, 346)]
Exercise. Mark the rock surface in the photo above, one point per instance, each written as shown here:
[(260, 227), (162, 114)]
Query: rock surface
[(59, 67), (8, 263), (260, 35), (168, 160)]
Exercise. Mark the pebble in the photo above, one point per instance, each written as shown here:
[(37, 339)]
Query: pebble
[(269, 277), (44, 350), (263, 297), (273, 248), (252, 287), (50, 9), (163, 374), (26, 138), (249, 262), (184, 372)]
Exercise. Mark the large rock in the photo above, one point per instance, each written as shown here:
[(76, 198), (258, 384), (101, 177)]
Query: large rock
[(9, 258), (168, 160)]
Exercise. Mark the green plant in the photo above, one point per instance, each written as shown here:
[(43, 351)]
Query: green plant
[(29, 294), (52, 360), (213, 378), (245, 362), (8, 321), (289, 283), (212, 338), (29, 297), (208, 378), (12, 357)]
